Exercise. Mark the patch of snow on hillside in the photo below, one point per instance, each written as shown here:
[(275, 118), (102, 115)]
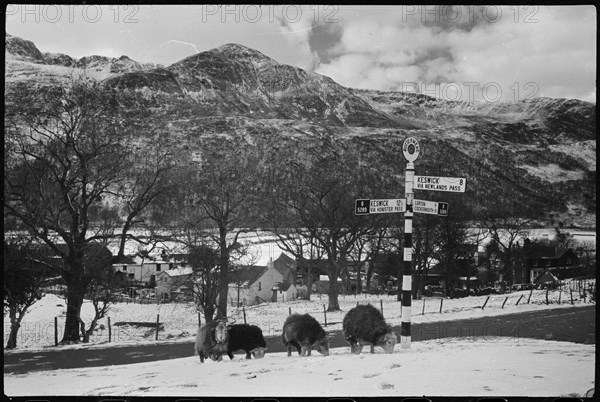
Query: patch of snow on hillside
[(552, 172)]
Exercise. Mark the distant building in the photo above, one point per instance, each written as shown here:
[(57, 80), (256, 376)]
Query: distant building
[(319, 275), (250, 285), (546, 278), (143, 270), (96, 254), (170, 283), (284, 291), (561, 262)]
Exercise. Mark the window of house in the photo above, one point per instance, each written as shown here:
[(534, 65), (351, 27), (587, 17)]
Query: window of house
[(548, 263), (568, 261), (259, 285), (131, 276), (124, 268), (170, 265), (157, 267)]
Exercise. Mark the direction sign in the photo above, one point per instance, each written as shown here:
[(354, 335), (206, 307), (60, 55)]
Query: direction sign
[(382, 206), (453, 184), (430, 207)]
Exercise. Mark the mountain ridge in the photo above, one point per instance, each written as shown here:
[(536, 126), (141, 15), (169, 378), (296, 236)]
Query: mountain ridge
[(548, 143)]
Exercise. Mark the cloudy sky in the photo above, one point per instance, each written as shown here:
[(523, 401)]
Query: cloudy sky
[(459, 53)]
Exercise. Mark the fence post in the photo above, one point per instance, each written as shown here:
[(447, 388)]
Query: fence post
[(571, 292), (423, 311), (519, 300), (244, 312), (289, 310), (486, 300), (529, 298), (504, 301), (547, 289), (381, 306), (441, 304), (559, 295), (325, 314), (109, 331), (157, 323), (199, 319), (55, 331)]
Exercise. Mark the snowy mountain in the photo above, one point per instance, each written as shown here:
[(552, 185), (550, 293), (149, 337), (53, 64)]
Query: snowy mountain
[(21, 50), (539, 153)]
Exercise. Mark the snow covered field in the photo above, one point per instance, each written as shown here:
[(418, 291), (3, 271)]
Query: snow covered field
[(450, 367), (180, 320), (464, 366)]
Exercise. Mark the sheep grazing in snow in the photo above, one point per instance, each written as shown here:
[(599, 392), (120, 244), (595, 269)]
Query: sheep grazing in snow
[(248, 338), (211, 340), (364, 324), (303, 332)]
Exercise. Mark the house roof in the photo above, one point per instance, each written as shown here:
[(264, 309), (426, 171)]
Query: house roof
[(95, 253), (127, 259), (284, 264), (178, 271), (283, 286), (540, 251), (545, 277), (140, 260), (247, 274)]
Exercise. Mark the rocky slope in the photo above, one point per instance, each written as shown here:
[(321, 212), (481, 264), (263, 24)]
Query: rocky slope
[(20, 51), (540, 152)]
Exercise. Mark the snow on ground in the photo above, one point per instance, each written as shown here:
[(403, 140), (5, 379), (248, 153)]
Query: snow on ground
[(180, 320), (448, 367)]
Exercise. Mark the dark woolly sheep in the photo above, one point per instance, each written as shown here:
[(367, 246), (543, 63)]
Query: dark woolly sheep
[(211, 341), (365, 324), (303, 332), (248, 338)]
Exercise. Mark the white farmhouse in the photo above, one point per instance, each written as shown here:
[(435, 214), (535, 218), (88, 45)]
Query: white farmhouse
[(143, 270), (250, 285)]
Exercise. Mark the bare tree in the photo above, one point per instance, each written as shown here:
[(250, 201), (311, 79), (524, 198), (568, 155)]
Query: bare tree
[(506, 232), (104, 285), (23, 281), (304, 250), (424, 244), (217, 196), (315, 198), (205, 279), (71, 151)]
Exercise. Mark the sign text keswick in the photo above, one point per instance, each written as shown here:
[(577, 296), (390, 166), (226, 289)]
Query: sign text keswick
[(453, 184)]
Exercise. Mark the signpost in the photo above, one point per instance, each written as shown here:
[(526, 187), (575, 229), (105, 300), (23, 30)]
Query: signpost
[(410, 150), (408, 205)]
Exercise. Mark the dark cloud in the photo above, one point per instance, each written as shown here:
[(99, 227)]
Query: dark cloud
[(323, 39)]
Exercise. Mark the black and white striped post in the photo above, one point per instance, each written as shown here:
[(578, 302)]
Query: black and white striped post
[(410, 149)]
